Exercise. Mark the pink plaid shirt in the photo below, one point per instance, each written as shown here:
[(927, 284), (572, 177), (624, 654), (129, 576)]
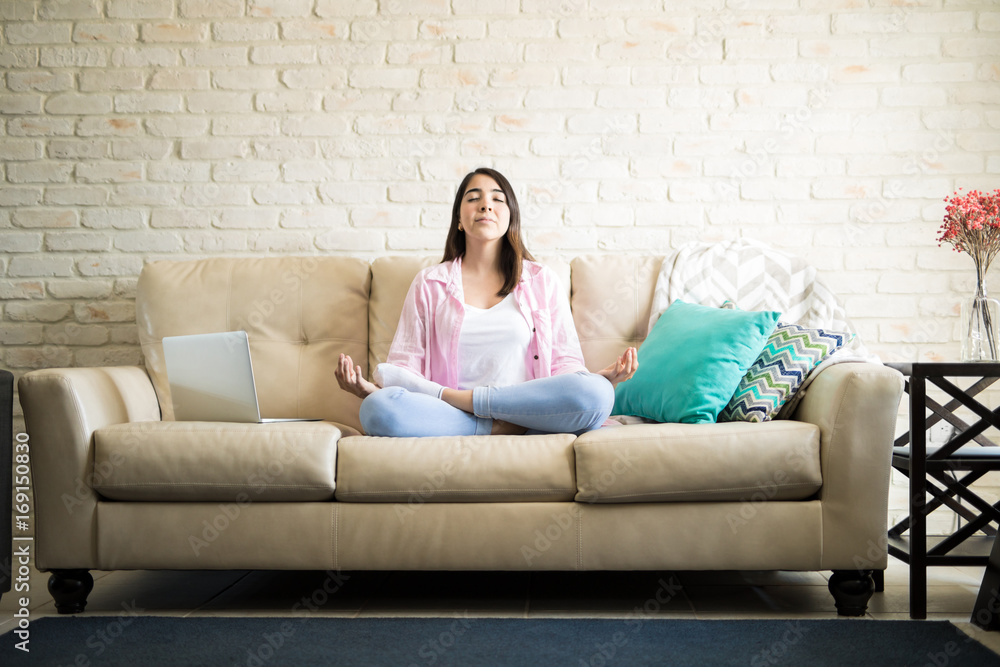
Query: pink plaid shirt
[(426, 340)]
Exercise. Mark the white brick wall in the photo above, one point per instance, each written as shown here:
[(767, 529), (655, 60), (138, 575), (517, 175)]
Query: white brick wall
[(135, 129)]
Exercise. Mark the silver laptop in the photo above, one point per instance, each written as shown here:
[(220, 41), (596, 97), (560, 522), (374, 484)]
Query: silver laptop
[(211, 378)]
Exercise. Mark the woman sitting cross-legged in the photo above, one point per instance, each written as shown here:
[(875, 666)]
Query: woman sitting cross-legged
[(485, 342)]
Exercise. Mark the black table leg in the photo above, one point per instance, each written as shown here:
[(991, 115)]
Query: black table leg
[(918, 498)]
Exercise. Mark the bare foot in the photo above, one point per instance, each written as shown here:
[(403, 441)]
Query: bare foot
[(458, 398), (350, 379), (506, 428)]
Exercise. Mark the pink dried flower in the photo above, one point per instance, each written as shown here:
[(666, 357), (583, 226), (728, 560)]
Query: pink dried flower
[(972, 224)]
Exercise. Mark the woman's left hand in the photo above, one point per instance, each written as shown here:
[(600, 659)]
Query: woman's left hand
[(622, 369)]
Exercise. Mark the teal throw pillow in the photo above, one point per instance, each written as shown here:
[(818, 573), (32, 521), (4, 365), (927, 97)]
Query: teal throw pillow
[(692, 362), (790, 354)]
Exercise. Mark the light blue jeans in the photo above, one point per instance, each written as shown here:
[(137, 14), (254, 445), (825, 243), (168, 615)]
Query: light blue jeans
[(570, 403)]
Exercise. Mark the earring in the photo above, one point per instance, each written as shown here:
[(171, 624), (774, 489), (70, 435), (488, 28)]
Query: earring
[(460, 228)]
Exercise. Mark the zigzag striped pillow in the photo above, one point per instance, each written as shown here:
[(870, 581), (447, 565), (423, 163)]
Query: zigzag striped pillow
[(791, 352)]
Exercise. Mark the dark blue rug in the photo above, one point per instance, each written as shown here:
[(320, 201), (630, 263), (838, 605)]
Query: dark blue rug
[(255, 642)]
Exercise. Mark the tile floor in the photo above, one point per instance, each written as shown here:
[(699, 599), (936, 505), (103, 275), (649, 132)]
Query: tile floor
[(702, 595)]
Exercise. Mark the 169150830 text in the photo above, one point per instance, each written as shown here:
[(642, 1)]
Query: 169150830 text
[(23, 539)]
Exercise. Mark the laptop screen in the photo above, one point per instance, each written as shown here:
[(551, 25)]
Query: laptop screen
[(211, 377)]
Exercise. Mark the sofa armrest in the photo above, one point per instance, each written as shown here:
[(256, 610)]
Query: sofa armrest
[(62, 409), (854, 405)]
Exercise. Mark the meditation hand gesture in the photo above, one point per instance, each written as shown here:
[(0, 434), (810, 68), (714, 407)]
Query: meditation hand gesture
[(622, 369), (350, 379)]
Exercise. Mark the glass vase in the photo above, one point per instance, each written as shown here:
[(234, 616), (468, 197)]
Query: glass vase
[(980, 317)]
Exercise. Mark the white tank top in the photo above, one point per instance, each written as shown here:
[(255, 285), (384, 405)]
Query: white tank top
[(493, 346)]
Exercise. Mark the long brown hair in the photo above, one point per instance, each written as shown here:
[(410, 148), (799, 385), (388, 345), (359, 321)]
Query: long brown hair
[(512, 250)]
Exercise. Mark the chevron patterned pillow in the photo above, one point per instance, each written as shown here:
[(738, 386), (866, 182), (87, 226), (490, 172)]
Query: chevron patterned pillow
[(791, 352)]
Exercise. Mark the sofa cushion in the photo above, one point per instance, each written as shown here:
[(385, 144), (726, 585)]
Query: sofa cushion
[(692, 361), (698, 462), (452, 469), (207, 461)]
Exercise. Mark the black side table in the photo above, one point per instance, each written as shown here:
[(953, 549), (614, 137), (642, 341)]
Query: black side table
[(934, 473)]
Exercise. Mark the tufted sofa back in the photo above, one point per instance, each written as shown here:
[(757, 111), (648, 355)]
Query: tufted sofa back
[(301, 312), (298, 312)]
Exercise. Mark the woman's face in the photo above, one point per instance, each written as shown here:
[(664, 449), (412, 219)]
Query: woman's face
[(484, 214)]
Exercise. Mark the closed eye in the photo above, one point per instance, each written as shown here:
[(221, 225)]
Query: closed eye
[(475, 193)]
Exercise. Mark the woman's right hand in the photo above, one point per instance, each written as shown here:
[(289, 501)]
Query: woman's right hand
[(350, 379)]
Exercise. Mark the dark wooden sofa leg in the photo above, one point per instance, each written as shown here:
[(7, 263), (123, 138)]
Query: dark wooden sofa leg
[(69, 589), (851, 591), (879, 577)]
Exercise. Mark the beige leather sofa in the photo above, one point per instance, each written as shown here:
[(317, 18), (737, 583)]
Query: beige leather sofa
[(120, 485)]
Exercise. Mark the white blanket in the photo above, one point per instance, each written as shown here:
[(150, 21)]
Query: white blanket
[(755, 276)]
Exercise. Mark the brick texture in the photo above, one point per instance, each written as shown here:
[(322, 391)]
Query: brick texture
[(134, 130)]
